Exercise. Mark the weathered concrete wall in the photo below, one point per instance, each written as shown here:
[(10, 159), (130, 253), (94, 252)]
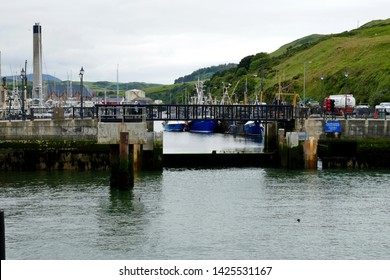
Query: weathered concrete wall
[(53, 155), (108, 133), (152, 154), (69, 129), (354, 153), (72, 144), (351, 128)]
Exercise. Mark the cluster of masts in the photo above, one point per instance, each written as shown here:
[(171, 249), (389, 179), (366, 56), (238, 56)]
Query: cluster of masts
[(200, 98)]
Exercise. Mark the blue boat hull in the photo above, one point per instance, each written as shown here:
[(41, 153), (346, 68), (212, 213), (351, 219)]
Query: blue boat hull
[(203, 126), (253, 128), (175, 126)]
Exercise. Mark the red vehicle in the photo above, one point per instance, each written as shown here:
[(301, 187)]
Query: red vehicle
[(342, 104)]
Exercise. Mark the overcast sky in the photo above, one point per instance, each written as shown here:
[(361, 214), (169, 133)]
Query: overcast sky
[(160, 40)]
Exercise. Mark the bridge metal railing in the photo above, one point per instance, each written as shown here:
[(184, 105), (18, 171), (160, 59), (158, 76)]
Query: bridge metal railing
[(220, 112), (34, 113), (121, 113), (140, 113)]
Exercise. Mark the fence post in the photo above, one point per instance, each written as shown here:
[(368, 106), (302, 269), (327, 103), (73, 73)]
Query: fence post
[(2, 236)]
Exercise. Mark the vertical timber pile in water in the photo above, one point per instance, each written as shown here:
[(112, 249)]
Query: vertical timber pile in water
[(2, 236), (310, 153), (122, 171)]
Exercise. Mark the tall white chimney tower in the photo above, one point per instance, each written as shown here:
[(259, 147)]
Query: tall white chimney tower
[(37, 61)]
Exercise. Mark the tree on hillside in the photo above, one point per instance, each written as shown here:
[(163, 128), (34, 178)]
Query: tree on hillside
[(245, 62), (205, 73), (260, 61)]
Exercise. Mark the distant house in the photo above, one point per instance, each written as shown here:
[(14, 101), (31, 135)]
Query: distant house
[(132, 94), (137, 96)]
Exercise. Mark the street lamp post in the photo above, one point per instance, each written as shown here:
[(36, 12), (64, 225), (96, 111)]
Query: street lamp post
[(304, 81), (346, 93), (81, 90)]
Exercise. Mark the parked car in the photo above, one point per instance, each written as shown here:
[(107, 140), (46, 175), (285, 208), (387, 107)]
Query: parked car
[(363, 111)]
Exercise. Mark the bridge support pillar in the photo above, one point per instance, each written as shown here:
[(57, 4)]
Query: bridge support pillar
[(122, 166), (150, 126), (271, 136), (152, 154)]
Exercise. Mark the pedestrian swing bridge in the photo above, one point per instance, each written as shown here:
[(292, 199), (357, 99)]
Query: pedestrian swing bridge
[(139, 113), (129, 113)]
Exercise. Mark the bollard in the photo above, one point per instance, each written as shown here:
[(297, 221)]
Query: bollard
[(2, 236)]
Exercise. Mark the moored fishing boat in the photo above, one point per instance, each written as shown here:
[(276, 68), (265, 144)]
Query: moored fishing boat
[(176, 126), (253, 128), (203, 126)]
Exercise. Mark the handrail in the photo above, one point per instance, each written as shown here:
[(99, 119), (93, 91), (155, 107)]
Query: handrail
[(141, 113)]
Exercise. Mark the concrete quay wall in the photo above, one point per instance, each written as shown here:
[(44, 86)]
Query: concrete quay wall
[(73, 144), (49, 129), (71, 129), (53, 155), (350, 129), (362, 143)]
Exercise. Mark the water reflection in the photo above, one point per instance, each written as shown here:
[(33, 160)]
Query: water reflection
[(124, 218), (186, 142)]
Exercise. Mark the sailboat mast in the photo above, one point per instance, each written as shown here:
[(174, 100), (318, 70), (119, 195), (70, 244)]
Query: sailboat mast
[(262, 85), (246, 90), (117, 83)]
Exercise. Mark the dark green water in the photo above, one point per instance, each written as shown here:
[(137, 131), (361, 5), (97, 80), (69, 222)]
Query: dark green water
[(248, 213)]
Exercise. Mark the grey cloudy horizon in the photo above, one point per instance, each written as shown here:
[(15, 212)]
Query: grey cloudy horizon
[(158, 41)]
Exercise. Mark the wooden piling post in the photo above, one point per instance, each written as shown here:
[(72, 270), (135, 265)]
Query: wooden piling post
[(122, 171), (2, 236), (137, 157), (310, 153)]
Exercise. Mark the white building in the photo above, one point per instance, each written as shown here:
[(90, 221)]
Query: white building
[(131, 95)]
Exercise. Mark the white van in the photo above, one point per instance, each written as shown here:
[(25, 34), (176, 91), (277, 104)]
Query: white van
[(383, 107)]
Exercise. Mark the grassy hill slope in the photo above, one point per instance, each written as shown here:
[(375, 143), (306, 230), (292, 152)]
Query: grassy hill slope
[(357, 62), (297, 43), (363, 54)]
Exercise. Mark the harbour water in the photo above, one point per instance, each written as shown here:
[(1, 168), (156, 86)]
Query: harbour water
[(231, 213)]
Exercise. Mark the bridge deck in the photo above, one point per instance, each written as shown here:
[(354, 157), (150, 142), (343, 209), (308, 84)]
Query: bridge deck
[(195, 112), (137, 113)]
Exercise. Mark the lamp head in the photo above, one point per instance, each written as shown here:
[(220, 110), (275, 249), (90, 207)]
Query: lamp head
[(81, 72)]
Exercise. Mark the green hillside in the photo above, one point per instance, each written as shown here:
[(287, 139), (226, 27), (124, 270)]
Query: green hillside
[(297, 43), (171, 94), (356, 62), (204, 73), (110, 88), (363, 54)]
